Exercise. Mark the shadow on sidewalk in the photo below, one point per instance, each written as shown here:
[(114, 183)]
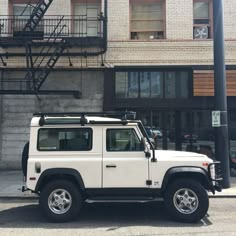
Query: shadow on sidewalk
[(110, 216)]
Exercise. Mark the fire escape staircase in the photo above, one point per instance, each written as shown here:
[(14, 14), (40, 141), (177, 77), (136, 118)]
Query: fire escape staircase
[(38, 74), (39, 69), (40, 64)]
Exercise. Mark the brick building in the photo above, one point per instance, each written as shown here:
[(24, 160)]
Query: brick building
[(154, 57)]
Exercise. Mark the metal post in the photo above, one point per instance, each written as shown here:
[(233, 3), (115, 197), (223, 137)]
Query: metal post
[(222, 137)]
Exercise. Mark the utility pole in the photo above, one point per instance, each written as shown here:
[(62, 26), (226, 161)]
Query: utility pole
[(222, 137)]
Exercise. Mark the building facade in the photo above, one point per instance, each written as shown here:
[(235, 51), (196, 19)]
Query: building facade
[(154, 57)]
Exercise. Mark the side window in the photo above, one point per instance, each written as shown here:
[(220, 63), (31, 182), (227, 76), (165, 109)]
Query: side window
[(122, 140), (65, 139)]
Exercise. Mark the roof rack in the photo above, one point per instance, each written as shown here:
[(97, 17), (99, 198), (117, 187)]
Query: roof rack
[(123, 115)]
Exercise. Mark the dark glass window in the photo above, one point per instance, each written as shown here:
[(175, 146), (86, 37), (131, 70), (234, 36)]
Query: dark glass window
[(156, 84), (127, 84), (170, 85), (65, 139), (153, 84), (123, 140), (202, 22), (150, 84), (201, 10), (147, 19), (176, 85)]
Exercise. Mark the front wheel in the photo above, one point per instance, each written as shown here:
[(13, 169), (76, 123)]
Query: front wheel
[(186, 200), (60, 201)]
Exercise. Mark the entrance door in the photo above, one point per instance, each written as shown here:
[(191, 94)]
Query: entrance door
[(124, 161)]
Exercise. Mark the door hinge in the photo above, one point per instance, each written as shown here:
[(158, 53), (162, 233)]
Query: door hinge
[(148, 182)]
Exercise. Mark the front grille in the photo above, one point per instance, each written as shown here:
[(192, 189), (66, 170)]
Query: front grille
[(215, 172)]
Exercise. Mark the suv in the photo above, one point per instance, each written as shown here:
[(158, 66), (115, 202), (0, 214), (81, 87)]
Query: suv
[(76, 157)]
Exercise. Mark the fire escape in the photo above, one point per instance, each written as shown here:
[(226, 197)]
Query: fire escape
[(44, 40)]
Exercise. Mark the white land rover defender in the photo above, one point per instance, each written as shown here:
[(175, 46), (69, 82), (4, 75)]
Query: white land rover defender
[(75, 157)]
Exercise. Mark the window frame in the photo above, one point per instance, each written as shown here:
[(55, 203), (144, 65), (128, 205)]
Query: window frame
[(145, 2), (65, 130), (210, 25)]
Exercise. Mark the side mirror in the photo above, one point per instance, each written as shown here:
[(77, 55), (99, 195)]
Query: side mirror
[(146, 146)]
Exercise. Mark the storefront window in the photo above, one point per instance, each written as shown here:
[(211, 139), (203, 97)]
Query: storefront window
[(152, 84), (133, 84), (170, 85), (127, 85), (145, 82), (182, 85), (156, 84)]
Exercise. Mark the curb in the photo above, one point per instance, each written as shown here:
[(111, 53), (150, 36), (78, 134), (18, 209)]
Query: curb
[(18, 198), (223, 196)]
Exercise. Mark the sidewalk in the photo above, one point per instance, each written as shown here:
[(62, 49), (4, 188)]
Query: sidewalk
[(12, 181)]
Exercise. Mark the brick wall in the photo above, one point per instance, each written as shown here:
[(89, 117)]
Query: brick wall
[(4, 7), (179, 19), (229, 20), (179, 48)]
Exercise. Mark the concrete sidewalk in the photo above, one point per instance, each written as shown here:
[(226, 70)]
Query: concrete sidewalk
[(12, 181)]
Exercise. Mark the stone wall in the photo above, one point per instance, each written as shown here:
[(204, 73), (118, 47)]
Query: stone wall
[(16, 110)]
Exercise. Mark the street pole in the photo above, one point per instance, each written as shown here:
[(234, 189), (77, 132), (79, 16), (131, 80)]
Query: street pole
[(222, 137)]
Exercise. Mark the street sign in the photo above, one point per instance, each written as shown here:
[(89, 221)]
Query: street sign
[(216, 119)]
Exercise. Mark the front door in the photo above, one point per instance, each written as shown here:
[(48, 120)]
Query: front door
[(124, 161)]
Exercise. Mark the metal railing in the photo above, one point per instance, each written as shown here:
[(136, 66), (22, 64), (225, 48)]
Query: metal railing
[(75, 26)]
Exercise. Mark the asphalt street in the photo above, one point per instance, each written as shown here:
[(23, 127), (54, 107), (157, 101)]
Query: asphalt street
[(123, 219)]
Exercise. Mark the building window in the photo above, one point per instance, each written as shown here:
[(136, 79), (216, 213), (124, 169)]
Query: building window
[(86, 14), (21, 12), (202, 19), (147, 19), (154, 84), (127, 84)]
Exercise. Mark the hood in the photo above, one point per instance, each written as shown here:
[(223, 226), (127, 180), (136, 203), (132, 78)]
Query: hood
[(180, 155)]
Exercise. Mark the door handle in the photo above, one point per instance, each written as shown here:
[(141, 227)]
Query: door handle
[(110, 166)]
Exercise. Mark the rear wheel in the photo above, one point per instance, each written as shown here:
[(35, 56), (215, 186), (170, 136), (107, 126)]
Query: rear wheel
[(186, 200), (60, 201)]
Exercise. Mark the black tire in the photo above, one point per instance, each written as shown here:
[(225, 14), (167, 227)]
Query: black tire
[(56, 189), (186, 200), (24, 159)]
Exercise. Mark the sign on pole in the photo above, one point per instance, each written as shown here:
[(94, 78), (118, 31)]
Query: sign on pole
[(216, 119)]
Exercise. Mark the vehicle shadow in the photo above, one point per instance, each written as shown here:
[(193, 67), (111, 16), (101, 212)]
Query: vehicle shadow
[(92, 216)]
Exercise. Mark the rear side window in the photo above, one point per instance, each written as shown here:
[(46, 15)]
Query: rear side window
[(79, 139)]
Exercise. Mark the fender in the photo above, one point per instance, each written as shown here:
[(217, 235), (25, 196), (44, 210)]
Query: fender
[(60, 172), (190, 172)]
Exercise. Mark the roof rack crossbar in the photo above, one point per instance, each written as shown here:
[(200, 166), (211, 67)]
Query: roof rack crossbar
[(119, 114), (123, 115)]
